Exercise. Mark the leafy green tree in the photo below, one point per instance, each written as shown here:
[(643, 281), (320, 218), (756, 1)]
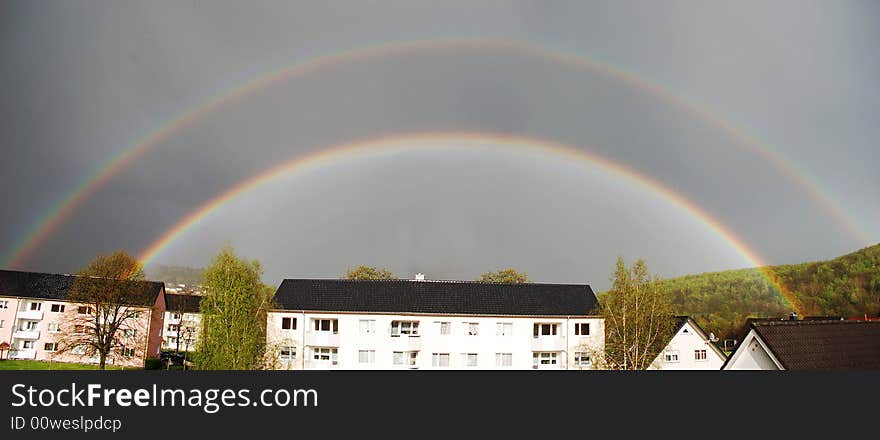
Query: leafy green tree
[(111, 292), (638, 317), (363, 272), (233, 311), (511, 276)]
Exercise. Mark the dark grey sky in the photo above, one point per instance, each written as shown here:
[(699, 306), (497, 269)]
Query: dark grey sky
[(84, 79)]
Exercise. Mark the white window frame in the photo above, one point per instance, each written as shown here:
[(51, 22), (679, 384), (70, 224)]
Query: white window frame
[(1, 323), (30, 326), (582, 359), (444, 325), (87, 309), (578, 328), (332, 325), (60, 308), (542, 358), (504, 329), (671, 356), (367, 326), (467, 358), (503, 360), (437, 360), (405, 358), (177, 315), (292, 321), (408, 328), (27, 345), (552, 329), (53, 346), (370, 357), (472, 329), (128, 352), (287, 353), (4, 304), (331, 353), (36, 306), (53, 327)]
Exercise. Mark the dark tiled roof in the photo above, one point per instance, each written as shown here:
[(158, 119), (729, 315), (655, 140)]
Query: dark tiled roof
[(441, 297), (823, 345), (55, 286), (182, 303)]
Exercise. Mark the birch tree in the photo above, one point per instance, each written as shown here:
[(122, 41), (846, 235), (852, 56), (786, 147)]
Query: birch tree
[(638, 317)]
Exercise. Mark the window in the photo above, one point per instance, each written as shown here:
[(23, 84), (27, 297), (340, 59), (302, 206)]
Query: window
[(4, 304), (671, 356), (54, 327), (410, 328), (440, 360), (84, 310), (79, 349), (321, 354), (582, 329), (129, 332), (288, 323), (444, 327), (288, 353), (405, 358), (176, 315), (503, 359), (173, 328), (545, 330), (504, 329), (57, 308), (1, 323), (327, 325), (27, 344), (31, 325), (470, 359), (171, 341), (135, 315), (700, 355), (367, 326), (473, 329), (582, 359), (545, 358), (36, 306), (366, 356), (50, 346), (128, 352)]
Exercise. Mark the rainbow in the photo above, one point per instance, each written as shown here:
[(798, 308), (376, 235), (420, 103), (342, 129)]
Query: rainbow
[(128, 155), (460, 141)]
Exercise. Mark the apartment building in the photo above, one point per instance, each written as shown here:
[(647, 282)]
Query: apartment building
[(419, 324), (182, 322), (36, 315)]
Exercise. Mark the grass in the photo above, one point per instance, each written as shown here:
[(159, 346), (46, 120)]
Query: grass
[(43, 365)]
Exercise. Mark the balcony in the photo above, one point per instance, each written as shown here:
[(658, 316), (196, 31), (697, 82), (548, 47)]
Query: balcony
[(26, 334), (35, 315), (322, 339), (406, 343), (548, 343), (23, 354)]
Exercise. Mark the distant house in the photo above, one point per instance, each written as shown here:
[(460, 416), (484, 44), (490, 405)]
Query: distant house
[(809, 344), (35, 314), (182, 322), (424, 324), (690, 348)]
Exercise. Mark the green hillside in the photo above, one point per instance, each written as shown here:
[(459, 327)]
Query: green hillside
[(846, 286), (191, 276)]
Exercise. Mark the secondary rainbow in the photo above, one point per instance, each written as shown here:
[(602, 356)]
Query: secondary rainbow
[(128, 155), (450, 141)]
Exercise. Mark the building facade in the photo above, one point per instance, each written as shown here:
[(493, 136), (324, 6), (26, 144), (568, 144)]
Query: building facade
[(404, 324), (690, 348), (182, 322), (38, 321)]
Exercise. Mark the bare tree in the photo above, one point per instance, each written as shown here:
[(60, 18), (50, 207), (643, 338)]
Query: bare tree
[(111, 309)]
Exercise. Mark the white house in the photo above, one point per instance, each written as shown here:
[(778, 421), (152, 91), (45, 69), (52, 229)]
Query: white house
[(809, 344), (690, 348), (182, 322), (417, 324)]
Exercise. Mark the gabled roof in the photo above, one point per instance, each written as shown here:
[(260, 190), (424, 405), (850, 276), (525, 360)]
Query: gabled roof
[(182, 303), (436, 297), (55, 286), (680, 322), (822, 345)]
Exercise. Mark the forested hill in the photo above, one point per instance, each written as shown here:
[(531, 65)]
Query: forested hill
[(190, 276), (846, 286)]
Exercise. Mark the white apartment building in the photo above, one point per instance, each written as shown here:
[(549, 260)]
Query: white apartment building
[(36, 316), (689, 348), (182, 322), (418, 324)]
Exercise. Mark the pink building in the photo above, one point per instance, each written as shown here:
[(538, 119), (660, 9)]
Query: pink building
[(37, 320)]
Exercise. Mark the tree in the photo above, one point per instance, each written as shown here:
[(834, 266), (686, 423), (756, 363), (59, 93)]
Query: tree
[(638, 317), (233, 309), (363, 272), (504, 276), (110, 295)]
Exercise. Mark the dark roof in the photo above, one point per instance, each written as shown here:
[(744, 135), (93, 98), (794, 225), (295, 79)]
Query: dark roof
[(56, 286), (182, 303), (441, 297), (823, 345)]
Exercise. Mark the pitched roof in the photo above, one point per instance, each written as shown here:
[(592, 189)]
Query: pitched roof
[(182, 303), (439, 297), (55, 286), (822, 345)]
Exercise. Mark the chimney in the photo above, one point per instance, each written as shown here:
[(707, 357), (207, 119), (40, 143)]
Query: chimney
[(419, 277)]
